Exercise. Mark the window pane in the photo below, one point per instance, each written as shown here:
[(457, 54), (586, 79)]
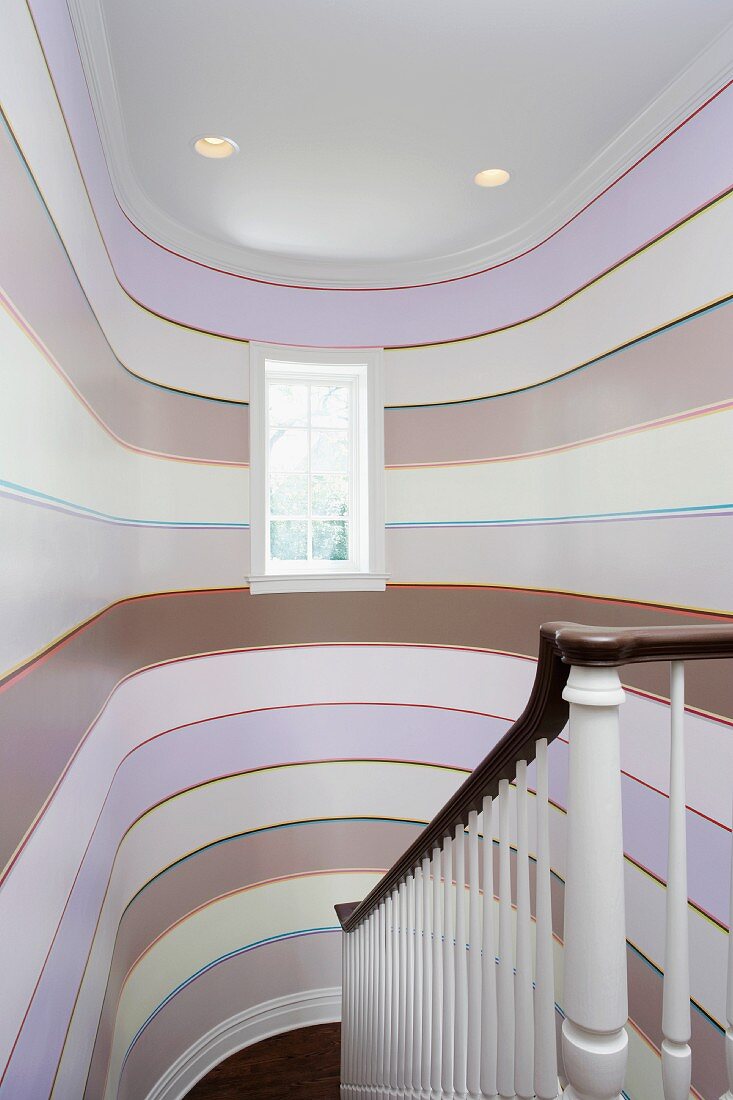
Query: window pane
[(289, 449), (330, 451), (330, 495), (288, 404), (331, 540), (289, 495), (330, 406), (288, 540)]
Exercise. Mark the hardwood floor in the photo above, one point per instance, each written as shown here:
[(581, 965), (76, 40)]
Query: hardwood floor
[(302, 1064)]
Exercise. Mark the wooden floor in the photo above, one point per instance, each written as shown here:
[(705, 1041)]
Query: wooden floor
[(302, 1064)]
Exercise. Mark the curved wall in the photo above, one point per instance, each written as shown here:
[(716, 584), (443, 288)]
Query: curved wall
[(150, 823), (48, 107), (577, 466)]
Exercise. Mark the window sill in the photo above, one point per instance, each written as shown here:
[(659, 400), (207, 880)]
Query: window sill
[(318, 582)]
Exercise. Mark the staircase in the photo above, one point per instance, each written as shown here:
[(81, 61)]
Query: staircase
[(449, 976)]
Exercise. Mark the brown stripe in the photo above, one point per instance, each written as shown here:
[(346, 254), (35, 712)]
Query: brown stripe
[(648, 381), (38, 277), (44, 712), (645, 1009)]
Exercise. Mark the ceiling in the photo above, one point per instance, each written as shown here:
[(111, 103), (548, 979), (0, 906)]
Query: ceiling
[(361, 123)]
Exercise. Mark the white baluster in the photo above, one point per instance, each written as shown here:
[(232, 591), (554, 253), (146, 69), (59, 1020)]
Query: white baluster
[(410, 983), (347, 1024), (354, 1029), (403, 991), (389, 985), (460, 1025), (373, 986), (545, 1059), (596, 1007), (393, 1065), (427, 978), (676, 1055), (729, 999), (488, 958), (363, 1007), (523, 991), (418, 978), (505, 975), (363, 1045), (369, 1007), (473, 1038), (436, 1021), (381, 998), (449, 983), (374, 1041), (344, 995), (354, 1009)]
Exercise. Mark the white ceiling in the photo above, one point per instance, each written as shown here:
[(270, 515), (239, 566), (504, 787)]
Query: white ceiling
[(361, 123)]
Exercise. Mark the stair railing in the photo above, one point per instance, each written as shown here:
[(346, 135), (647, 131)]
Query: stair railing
[(439, 1003)]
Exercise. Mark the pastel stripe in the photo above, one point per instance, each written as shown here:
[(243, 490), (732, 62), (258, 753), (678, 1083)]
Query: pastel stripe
[(155, 771), (218, 302), (558, 444), (220, 994)]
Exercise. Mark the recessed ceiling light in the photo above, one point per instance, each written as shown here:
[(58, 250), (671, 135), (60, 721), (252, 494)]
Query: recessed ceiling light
[(491, 177), (215, 147)]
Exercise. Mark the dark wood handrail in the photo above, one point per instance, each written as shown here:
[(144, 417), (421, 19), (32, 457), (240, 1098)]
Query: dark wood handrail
[(546, 713), (613, 646)]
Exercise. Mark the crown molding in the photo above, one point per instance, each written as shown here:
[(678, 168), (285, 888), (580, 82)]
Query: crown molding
[(707, 73)]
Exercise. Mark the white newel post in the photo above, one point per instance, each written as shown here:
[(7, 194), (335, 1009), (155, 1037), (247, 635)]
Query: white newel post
[(596, 1007)]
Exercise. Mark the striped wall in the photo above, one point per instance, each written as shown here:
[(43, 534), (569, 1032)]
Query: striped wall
[(192, 776), (657, 193), (156, 800)]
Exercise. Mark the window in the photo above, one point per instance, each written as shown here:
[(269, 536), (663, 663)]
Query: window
[(316, 469)]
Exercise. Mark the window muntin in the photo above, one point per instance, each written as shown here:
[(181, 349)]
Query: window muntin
[(312, 459), (316, 480)]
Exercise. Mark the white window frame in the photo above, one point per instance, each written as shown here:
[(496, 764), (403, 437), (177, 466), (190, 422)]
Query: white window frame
[(364, 370)]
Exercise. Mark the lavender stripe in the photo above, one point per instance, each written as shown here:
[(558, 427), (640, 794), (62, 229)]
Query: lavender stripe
[(175, 761), (658, 193)]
